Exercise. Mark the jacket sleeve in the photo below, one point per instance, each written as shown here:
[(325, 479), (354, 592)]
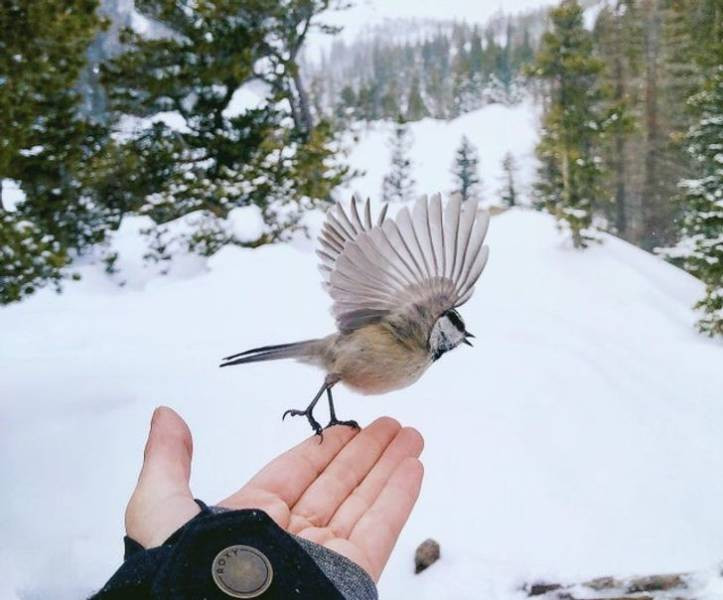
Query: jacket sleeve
[(222, 554)]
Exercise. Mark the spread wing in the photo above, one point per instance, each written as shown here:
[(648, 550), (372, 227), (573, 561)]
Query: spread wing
[(426, 260)]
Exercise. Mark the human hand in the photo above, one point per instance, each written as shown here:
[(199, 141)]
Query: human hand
[(352, 493)]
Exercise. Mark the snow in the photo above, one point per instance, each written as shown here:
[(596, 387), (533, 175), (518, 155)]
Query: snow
[(495, 130), (129, 124), (248, 96), (247, 223), (591, 14), (12, 194), (579, 437)]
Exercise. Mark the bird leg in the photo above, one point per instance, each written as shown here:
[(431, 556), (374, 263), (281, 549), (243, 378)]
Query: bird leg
[(333, 420), (308, 412)]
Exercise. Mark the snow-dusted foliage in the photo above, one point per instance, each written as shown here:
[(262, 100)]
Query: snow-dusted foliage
[(465, 170), (444, 70), (701, 246), (570, 174), (29, 258), (398, 183), (214, 151), (52, 155)]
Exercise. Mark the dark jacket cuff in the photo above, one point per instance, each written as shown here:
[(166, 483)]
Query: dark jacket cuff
[(182, 567)]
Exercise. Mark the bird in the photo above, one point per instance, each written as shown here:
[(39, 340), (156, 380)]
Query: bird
[(395, 285)]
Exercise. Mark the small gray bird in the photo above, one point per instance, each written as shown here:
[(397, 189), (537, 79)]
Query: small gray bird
[(395, 286)]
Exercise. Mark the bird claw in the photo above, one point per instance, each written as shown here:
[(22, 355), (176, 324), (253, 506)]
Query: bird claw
[(315, 425), (350, 423)]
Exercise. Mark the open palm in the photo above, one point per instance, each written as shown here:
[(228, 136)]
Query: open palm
[(352, 493)]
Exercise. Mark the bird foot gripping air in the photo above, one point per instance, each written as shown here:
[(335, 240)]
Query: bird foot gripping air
[(309, 413)]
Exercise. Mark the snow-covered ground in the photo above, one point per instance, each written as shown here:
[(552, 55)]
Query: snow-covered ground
[(494, 130), (581, 436)]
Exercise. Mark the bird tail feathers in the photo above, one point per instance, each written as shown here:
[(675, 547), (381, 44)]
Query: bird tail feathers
[(299, 350)]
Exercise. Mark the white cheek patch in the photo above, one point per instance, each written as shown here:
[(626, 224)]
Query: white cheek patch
[(444, 336)]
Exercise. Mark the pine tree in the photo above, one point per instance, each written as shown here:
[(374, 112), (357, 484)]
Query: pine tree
[(570, 176), (466, 170), (416, 108), (702, 244), (276, 156), (347, 107), (618, 35), (45, 145), (509, 189), (390, 101), (398, 184), (463, 88)]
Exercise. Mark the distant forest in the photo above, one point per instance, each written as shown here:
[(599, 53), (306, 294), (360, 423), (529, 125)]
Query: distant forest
[(417, 69)]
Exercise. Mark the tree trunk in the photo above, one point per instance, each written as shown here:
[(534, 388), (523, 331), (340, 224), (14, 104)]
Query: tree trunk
[(307, 121), (620, 192), (650, 193)]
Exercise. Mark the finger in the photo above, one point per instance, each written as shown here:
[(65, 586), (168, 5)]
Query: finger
[(343, 474), (286, 477), (378, 529), (408, 443), (167, 456), (162, 500)]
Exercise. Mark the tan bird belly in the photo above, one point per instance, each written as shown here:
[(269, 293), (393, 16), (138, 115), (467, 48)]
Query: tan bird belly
[(372, 361)]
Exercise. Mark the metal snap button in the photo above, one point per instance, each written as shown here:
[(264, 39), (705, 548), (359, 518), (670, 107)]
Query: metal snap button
[(242, 572)]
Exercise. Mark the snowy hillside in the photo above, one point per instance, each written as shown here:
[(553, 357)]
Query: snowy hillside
[(579, 437), (495, 130)]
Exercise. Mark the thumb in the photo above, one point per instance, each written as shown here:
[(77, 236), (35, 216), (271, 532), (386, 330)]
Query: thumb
[(168, 452), (162, 500)]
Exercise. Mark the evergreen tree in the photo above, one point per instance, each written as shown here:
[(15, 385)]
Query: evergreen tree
[(347, 108), (509, 189), (390, 101), (466, 170), (45, 146), (275, 156), (523, 54), (398, 184), (491, 54), (702, 244), (618, 35), (476, 53), (463, 88), (416, 108), (570, 174)]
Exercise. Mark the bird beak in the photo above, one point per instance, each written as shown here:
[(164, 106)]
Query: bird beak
[(466, 341), (467, 335)]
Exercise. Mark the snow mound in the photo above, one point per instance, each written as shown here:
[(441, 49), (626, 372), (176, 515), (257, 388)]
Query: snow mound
[(579, 437)]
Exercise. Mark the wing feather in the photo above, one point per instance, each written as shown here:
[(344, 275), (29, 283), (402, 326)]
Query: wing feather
[(435, 226), (451, 224), (415, 266), (420, 219)]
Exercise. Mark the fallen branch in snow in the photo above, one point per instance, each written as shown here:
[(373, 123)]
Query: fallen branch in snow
[(651, 587)]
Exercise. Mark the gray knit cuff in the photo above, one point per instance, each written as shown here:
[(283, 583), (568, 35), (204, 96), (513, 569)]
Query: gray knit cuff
[(349, 578)]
